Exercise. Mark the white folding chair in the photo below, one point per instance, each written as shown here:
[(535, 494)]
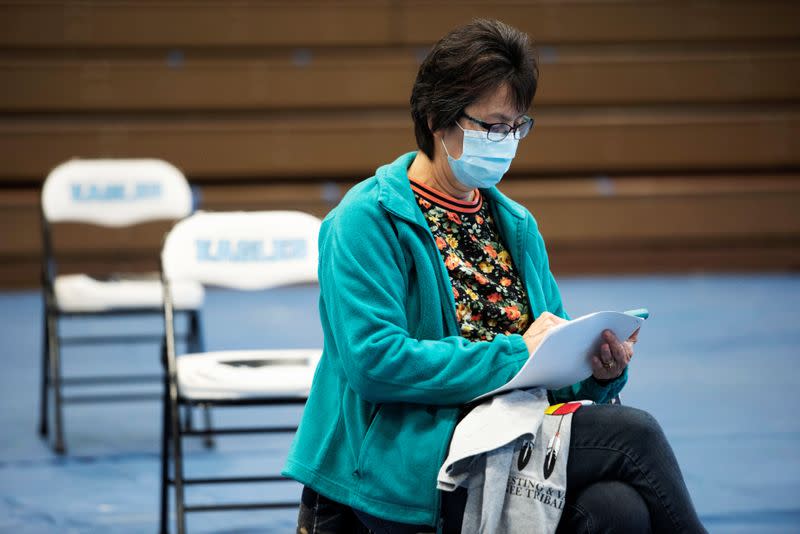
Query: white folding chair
[(112, 193), (242, 251)]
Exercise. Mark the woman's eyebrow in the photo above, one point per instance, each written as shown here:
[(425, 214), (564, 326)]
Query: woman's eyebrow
[(505, 118)]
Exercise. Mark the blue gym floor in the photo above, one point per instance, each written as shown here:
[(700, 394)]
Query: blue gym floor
[(716, 364)]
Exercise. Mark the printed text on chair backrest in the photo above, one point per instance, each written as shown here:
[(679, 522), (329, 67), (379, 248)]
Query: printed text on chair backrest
[(243, 250), (115, 192)]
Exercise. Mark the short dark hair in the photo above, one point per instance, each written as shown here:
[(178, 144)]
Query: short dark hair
[(466, 64)]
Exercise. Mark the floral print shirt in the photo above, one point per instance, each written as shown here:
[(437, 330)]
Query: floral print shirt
[(489, 295)]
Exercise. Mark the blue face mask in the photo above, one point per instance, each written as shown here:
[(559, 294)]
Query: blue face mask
[(483, 162)]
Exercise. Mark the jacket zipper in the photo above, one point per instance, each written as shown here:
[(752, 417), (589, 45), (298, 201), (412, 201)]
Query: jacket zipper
[(444, 276)]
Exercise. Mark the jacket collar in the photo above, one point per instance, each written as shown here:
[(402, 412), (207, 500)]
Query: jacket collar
[(396, 196)]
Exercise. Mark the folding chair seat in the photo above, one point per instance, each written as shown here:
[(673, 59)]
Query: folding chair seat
[(83, 293), (247, 374), (238, 251), (111, 193)]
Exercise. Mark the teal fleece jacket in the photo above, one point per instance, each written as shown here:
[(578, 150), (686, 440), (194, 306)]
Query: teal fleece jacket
[(394, 369)]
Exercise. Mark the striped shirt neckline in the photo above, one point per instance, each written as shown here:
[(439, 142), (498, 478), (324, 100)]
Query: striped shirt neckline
[(446, 201)]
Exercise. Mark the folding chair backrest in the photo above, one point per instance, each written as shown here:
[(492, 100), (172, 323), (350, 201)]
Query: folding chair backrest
[(243, 250), (115, 192)]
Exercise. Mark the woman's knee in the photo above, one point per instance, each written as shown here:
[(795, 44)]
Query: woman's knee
[(623, 424), (606, 507), (641, 422)]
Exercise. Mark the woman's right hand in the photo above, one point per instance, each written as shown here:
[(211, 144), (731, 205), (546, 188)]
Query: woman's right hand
[(536, 331)]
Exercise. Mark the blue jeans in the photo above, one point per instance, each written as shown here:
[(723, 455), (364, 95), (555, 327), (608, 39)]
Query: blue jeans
[(622, 476)]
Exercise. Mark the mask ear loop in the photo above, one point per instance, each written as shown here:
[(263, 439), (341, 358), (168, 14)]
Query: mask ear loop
[(445, 146)]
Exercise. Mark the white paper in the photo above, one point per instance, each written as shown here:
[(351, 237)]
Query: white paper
[(564, 355)]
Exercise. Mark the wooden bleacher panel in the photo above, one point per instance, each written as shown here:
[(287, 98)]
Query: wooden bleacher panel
[(298, 146), (291, 79), (301, 79), (758, 254), (99, 23), (667, 224), (645, 208), (352, 146), (609, 21), (633, 74)]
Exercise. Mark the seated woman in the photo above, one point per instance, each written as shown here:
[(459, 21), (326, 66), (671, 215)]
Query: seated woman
[(435, 287)]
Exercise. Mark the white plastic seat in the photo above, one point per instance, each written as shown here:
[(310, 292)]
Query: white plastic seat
[(245, 374), (82, 293)]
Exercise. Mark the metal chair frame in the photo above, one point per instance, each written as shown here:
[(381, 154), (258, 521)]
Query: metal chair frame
[(174, 431), (52, 380)]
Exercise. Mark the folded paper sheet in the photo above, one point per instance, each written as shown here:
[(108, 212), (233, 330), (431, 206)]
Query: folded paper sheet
[(564, 355)]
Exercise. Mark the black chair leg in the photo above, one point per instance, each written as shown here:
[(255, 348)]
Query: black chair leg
[(55, 373), (208, 439), (197, 344), (177, 459), (45, 385), (165, 431), (188, 419), (194, 345), (196, 334)]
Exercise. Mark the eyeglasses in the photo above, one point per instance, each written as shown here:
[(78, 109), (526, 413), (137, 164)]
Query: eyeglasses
[(500, 130)]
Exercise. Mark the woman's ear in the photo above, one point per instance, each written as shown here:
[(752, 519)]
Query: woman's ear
[(437, 134)]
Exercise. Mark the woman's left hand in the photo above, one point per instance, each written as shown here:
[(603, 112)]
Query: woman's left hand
[(614, 356)]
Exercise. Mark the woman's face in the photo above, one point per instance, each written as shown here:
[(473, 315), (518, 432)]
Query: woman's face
[(495, 107)]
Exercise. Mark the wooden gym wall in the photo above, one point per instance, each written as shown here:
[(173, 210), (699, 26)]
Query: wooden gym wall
[(667, 134)]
